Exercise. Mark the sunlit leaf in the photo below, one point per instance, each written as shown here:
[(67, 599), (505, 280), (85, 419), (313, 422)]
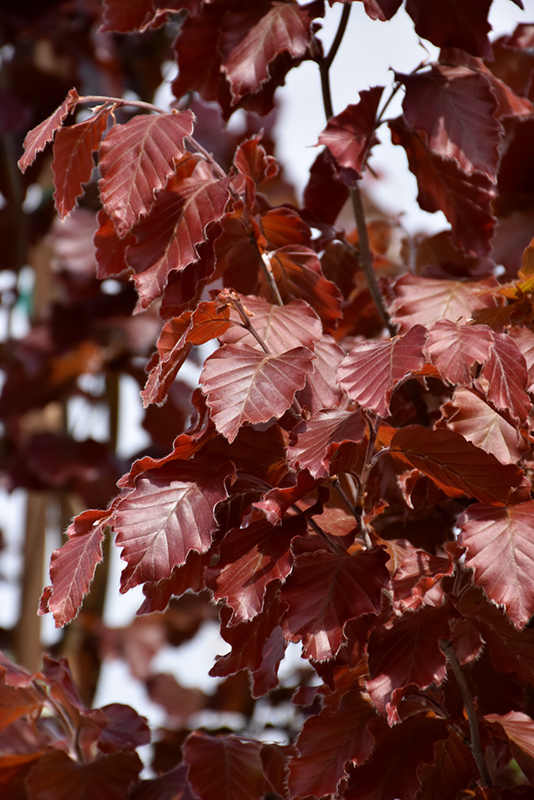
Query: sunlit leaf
[(455, 349), (37, 139), (313, 440)]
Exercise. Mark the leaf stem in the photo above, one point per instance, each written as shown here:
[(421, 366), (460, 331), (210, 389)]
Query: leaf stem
[(236, 302), (476, 745)]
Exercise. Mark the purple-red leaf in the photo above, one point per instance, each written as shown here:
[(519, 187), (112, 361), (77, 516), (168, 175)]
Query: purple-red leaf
[(325, 591), (169, 513), (73, 159), (456, 348), (455, 465), (501, 552), (137, 159), (314, 440), (372, 370), (455, 108), (350, 135), (37, 139), (242, 384), (465, 199), (72, 566), (224, 767), (454, 23)]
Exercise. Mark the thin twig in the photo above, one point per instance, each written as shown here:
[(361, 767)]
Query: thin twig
[(326, 62), (335, 548), (355, 510), (476, 745)]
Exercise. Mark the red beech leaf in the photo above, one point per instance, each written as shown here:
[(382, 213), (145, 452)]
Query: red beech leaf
[(298, 275), (372, 370), (479, 423), (250, 559), (325, 193), (136, 15), (168, 238), (281, 327), (37, 139), (313, 441), (518, 727), (283, 227), (254, 36), (455, 108), (391, 772), (327, 743), (16, 702), (454, 24), (350, 135), (73, 159), (406, 653), (325, 591), (73, 565), (511, 650), (189, 576), (277, 501), (505, 376), (455, 465), (424, 301), (465, 199), (242, 384), (198, 53), (258, 645), (225, 767), (321, 390), (169, 513), (137, 159), (57, 777), (177, 336), (501, 552), (255, 166), (416, 576), (110, 249), (456, 348), (125, 730), (452, 770)]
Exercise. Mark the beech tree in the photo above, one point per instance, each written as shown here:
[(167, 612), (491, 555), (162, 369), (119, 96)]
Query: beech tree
[(353, 471)]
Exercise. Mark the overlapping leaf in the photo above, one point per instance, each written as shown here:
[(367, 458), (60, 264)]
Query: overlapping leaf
[(455, 108), (250, 559), (505, 376), (372, 370), (280, 327), (456, 465), (327, 743), (406, 653), (452, 770), (455, 349), (314, 440), (501, 552), (169, 513), (226, 767), (479, 423), (109, 777), (72, 566), (137, 159), (325, 591), (454, 24), (350, 135), (37, 139), (242, 384), (73, 159), (424, 301), (168, 238), (518, 727), (254, 36), (321, 390), (465, 199)]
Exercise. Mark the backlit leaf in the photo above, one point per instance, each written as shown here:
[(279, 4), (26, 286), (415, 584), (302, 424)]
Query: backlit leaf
[(350, 135), (456, 465), (242, 384), (501, 552), (505, 375), (137, 159), (169, 513), (371, 371), (518, 727)]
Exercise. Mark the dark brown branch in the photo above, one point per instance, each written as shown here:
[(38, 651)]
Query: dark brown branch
[(476, 745)]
